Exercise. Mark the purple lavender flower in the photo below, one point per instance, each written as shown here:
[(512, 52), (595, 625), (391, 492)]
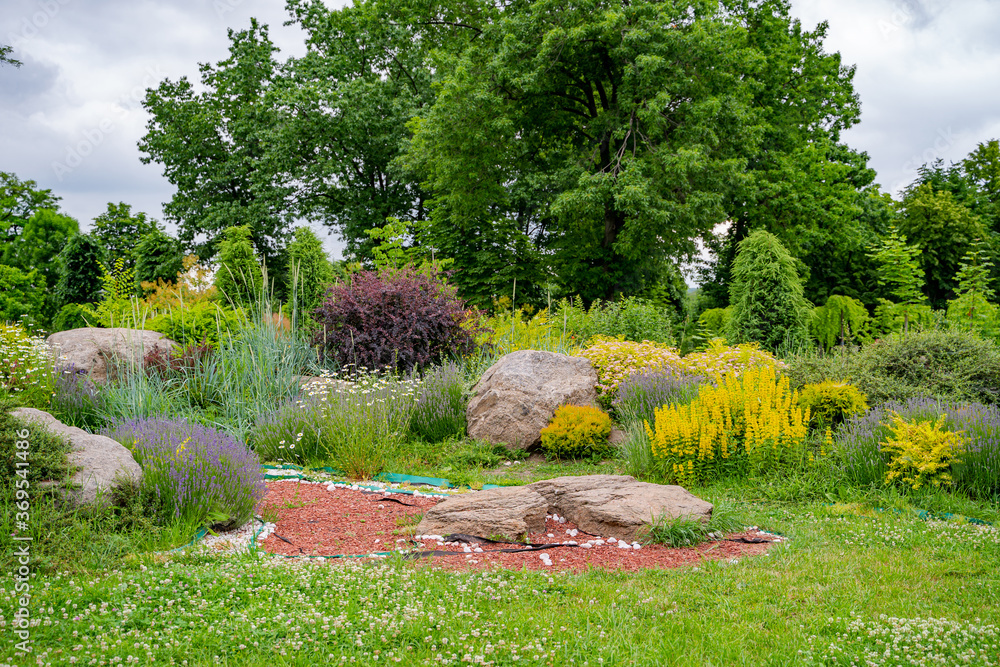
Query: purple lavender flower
[(199, 473), (642, 393)]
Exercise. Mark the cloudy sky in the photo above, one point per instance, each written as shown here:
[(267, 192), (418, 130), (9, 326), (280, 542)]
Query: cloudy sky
[(928, 76)]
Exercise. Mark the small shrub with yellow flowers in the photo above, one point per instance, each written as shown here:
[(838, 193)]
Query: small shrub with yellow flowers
[(721, 359), (739, 423), (577, 431), (616, 360), (921, 452)]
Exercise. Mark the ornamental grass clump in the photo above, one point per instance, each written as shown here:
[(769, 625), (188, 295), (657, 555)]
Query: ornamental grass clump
[(200, 475), (577, 431), (864, 460), (738, 424), (76, 401), (352, 421), (26, 366)]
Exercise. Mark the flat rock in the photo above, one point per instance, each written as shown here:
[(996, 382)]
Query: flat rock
[(517, 396), (103, 463), (512, 512), (617, 506), (94, 350)]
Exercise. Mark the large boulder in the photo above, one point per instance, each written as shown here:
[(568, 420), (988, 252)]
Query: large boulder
[(517, 396), (605, 505), (618, 506), (102, 462), (95, 351), (511, 512)]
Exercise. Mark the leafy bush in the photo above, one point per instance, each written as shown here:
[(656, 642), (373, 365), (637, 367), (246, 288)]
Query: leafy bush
[(309, 271), (352, 423), (177, 363), (921, 452), (949, 365), (616, 360), (721, 359), (577, 431), (512, 330), (860, 452), (70, 316), (628, 319), (830, 403), (76, 401), (401, 320), (26, 366), (201, 475), (639, 396), (201, 322), (750, 422), (439, 411), (712, 323), (766, 295)]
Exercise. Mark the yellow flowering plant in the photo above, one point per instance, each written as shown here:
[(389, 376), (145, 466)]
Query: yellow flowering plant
[(615, 360), (577, 431), (739, 422), (921, 452)]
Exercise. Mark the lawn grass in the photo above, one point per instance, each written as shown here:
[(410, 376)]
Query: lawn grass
[(827, 596)]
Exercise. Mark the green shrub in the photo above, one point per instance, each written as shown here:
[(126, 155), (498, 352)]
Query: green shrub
[(830, 402), (922, 452), (309, 271), (239, 278), (203, 321), (46, 453), (70, 316), (713, 322), (577, 432), (629, 319), (938, 364), (766, 295)]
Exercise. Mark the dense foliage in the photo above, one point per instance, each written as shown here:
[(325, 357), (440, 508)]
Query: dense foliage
[(400, 320), (577, 431)]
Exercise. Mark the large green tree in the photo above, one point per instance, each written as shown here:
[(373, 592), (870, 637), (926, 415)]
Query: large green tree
[(344, 106), (19, 200), (36, 248), (212, 144), (80, 271), (119, 231), (944, 229), (158, 257)]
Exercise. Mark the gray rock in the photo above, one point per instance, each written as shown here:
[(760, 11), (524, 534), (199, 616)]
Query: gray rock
[(96, 351), (606, 505), (517, 396), (102, 462), (511, 512), (618, 506)]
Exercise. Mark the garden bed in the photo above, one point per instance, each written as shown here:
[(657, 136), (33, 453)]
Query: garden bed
[(312, 520)]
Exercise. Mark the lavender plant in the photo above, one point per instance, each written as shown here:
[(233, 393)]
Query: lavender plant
[(439, 411), (76, 401), (858, 442), (199, 474), (643, 392)]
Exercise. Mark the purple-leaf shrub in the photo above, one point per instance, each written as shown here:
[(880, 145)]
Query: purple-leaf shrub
[(199, 474), (859, 441), (400, 320)]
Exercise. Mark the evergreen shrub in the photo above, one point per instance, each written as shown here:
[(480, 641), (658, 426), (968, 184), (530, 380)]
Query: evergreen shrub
[(831, 402), (577, 432)]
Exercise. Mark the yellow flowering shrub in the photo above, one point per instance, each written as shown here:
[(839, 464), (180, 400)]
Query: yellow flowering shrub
[(922, 452), (615, 360), (749, 420), (832, 402), (722, 359), (577, 431)]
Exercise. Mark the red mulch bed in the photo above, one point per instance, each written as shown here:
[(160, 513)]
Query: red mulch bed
[(316, 522)]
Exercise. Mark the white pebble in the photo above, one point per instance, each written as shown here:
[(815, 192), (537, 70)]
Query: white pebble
[(551, 535), (586, 545), (612, 540)]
